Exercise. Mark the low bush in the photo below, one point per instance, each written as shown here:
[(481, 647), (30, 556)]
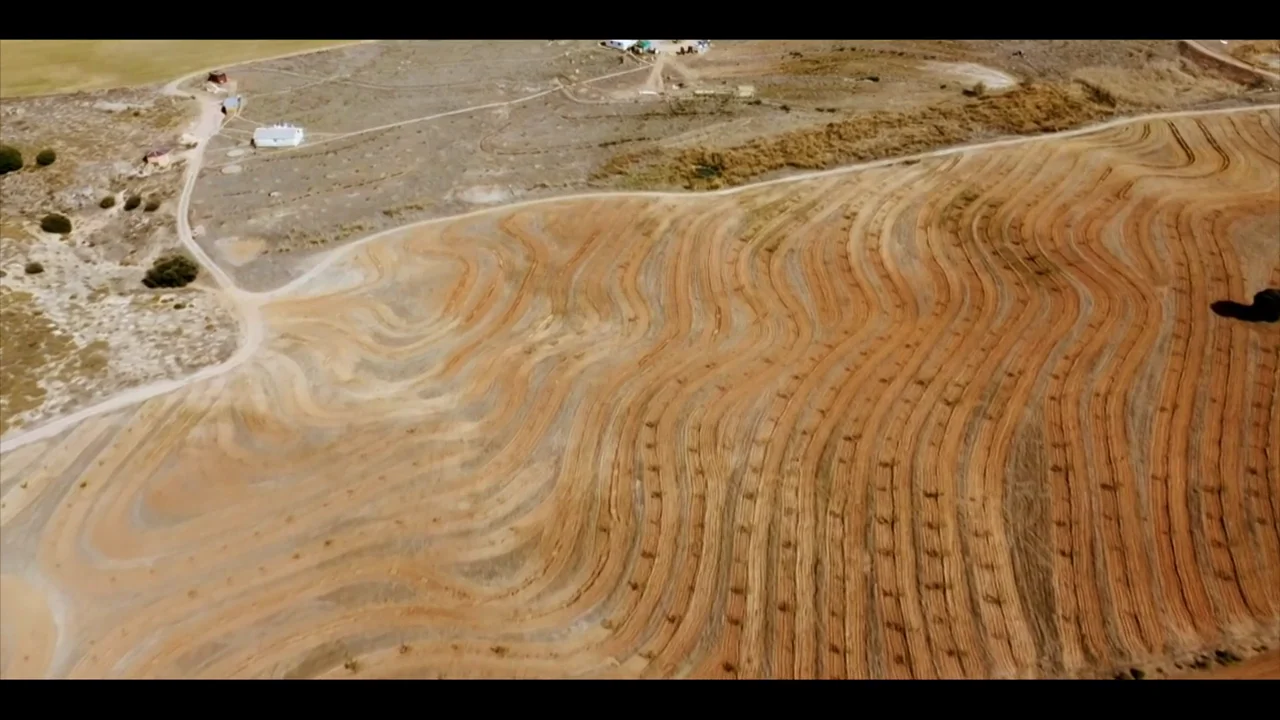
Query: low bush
[(55, 223), (152, 206), (171, 271), (132, 202), (107, 202), (34, 268), (46, 157), (10, 159)]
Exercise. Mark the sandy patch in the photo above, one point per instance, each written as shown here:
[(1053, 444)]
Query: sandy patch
[(972, 72), (485, 195), (1255, 241), (238, 252), (231, 169), (28, 633), (237, 152)]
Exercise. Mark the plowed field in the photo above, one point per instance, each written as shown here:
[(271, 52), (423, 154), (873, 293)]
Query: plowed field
[(970, 416)]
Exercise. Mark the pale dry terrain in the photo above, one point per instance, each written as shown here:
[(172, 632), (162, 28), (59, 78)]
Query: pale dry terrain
[(404, 131), (969, 416)]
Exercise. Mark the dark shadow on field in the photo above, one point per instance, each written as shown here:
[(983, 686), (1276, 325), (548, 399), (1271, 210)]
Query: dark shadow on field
[(1265, 308)]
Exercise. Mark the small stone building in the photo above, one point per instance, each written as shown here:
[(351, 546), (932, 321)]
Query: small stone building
[(160, 156)]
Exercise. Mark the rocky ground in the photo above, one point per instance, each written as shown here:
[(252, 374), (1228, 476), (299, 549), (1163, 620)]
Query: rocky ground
[(77, 323)]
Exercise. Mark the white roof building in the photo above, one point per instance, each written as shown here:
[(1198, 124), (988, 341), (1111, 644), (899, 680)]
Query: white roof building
[(620, 44), (278, 136)]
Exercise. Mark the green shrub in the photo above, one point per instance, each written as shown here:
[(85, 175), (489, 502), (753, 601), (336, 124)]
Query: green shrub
[(34, 268), (152, 206), (46, 157), (171, 271), (10, 159), (107, 202), (55, 223), (133, 202)]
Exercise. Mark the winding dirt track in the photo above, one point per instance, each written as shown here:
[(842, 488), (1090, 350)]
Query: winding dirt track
[(970, 417)]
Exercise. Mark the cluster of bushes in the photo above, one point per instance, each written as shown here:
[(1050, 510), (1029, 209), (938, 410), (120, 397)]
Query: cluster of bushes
[(171, 271), (131, 203), (11, 158)]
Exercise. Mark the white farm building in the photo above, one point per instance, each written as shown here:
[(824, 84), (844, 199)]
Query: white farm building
[(278, 136), (620, 44)]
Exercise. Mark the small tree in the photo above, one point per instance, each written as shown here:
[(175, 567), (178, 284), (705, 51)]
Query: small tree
[(10, 159), (46, 157), (171, 271), (107, 202), (34, 268), (55, 223), (152, 205), (132, 202)]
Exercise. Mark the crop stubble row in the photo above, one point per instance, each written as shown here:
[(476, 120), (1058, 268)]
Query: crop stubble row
[(969, 417)]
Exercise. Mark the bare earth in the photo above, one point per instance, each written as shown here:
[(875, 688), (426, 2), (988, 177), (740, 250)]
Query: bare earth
[(963, 416)]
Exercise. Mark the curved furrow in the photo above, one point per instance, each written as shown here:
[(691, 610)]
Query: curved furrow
[(954, 376), (1236, 517), (1036, 375), (994, 592), (1121, 342), (1226, 580), (967, 416)]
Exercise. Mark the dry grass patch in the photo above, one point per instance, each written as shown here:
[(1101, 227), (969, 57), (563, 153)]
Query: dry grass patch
[(1034, 108), (1160, 84), (40, 67), (1259, 53), (33, 350)]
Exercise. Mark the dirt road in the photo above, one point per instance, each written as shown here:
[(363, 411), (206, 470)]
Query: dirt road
[(207, 124), (1213, 49)]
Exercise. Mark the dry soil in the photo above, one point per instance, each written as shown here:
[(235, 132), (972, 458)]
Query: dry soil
[(966, 417)]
